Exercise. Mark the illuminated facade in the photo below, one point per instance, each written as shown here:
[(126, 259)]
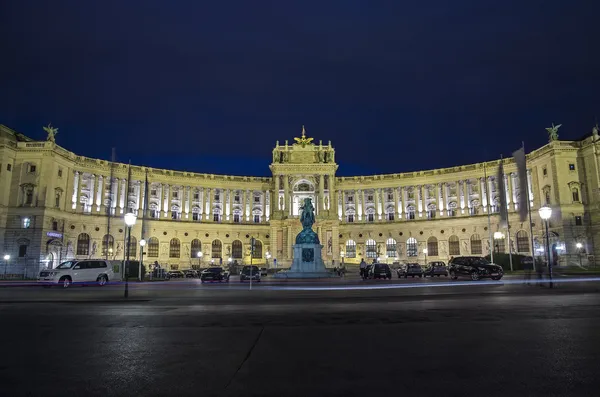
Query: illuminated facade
[(55, 205)]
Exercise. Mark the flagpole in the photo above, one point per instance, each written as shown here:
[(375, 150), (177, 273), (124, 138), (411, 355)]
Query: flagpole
[(487, 198), (529, 211), (507, 216)]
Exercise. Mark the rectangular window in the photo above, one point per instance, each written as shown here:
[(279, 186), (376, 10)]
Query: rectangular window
[(174, 215), (216, 217), (452, 212), (57, 201), (371, 217), (430, 214), (154, 214), (390, 216), (256, 199), (578, 221), (32, 168), (29, 197), (175, 194), (55, 226), (195, 216), (26, 223), (196, 196), (153, 192), (8, 167), (350, 218), (576, 196), (217, 197), (236, 198), (256, 218), (131, 189), (350, 199), (571, 167), (60, 173), (369, 198), (473, 210), (410, 215), (22, 251), (236, 218), (545, 171), (390, 197)]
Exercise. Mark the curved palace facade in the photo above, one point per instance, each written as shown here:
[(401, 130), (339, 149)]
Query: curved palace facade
[(56, 205)]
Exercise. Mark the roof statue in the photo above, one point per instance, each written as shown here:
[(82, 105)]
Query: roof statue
[(553, 132), (52, 131), (595, 130), (304, 140)]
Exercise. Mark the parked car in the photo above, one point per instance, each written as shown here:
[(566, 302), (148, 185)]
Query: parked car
[(475, 268), (175, 274), (250, 273), (79, 272), (190, 273), (380, 270), (214, 274), (401, 270), (436, 269), (412, 269)]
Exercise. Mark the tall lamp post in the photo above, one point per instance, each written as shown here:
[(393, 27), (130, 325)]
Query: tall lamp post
[(142, 245), (342, 254), (425, 252), (267, 257), (6, 259), (545, 214), (199, 254), (129, 222), (579, 248)]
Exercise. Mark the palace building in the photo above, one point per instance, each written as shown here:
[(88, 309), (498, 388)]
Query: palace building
[(56, 205)]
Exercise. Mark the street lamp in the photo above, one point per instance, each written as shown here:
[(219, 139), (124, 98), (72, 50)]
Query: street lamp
[(199, 254), (545, 214), (130, 219), (498, 236), (579, 249), (6, 259), (267, 257), (142, 245), (342, 254), (425, 252)]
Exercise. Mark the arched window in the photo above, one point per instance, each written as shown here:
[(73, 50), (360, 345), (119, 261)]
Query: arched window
[(237, 249), (217, 248), (411, 247), (133, 247), (174, 248), (500, 245), (371, 248), (522, 241), (432, 246), (152, 247), (257, 253), (454, 245), (476, 245), (83, 244), (390, 248), (108, 245), (350, 249), (196, 247)]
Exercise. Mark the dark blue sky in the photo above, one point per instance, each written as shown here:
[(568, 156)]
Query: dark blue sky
[(210, 86)]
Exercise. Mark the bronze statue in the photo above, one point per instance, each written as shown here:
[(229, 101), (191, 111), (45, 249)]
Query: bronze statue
[(51, 132), (307, 218), (553, 132)]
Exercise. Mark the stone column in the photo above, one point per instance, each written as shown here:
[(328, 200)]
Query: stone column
[(267, 205), (467, 188), (248, 205), (227, 199), (363, 203), (142, 210), (447, 193), (441, 198), (286, 195), (419, 200), (91, 194), (77, 190), (115, 195), (321, 192), (276, 193), (244, 212), (208, 203), (331, 187), (404, 194), (123, 198), (264, 207), (397, 211), (187, 202), (483, 194), (100, 195), (341, 205), (357, 207), (514, 182), (529, 188), (167, 202), (508, 188), (461, 195), (378, 203), (159, 189), (201, 203), (490, 190)]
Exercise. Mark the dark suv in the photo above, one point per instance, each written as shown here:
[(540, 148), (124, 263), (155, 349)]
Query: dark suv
[(250, 273), (474, 267), (214, 274), (380, 270)]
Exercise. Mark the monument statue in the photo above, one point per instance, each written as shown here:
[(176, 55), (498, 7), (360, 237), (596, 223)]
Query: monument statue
[(553, 132), (51, 132), (307, 218), (304, 140)]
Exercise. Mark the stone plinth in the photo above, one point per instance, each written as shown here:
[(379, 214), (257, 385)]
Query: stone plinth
[(307, 263)]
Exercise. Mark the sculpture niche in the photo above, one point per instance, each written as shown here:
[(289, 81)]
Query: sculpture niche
[(307, 261)]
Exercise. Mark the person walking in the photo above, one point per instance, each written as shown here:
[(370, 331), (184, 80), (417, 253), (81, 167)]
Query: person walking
[(539, 268), (527, 263), (363, 268)]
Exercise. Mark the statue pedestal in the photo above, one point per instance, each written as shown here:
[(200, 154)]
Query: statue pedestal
[(307, 263)]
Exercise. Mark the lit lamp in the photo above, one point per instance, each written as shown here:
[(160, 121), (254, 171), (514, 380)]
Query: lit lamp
[(425, 252), (142, 245), (199, 254), (579, 250), (342, 254), (6, 259), (267, 257), (130, 219), (545, 214), (498, 236)]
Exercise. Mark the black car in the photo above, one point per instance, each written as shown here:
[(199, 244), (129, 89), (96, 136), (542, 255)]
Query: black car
[(475, 268), (250, 273), (175, 274), (380, 270), (214, 274), (410, 269), (190, 273), (436, 269)]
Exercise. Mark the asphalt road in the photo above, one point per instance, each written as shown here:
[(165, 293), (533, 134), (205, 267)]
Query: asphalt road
[(340, 338)]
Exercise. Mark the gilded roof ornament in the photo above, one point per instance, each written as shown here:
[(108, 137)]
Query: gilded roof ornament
[(304, 140)]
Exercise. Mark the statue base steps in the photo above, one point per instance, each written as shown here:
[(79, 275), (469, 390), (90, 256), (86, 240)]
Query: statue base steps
[(307, 263)]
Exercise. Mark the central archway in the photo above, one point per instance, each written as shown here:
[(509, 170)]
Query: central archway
[(302, 189)]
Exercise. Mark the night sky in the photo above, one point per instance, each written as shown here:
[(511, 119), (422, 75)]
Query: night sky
[(210, 86)]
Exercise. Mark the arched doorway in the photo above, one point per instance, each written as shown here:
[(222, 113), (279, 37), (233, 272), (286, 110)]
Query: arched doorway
[(303, 189), (53, 254)]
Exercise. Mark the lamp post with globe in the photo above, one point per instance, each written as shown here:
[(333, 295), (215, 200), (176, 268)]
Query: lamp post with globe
[(425, 252), (545, 214), (142, 245), (6, 259), (579, 249), (498, 236), (199, 255), (130, 219)]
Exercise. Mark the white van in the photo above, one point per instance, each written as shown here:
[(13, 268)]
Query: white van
[(84, 271)]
